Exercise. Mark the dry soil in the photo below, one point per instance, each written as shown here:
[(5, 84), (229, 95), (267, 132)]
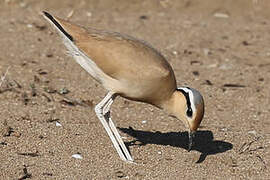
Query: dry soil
[(221, 48)]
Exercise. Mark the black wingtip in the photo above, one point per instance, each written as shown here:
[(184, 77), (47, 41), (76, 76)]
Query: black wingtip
[(50, 17)]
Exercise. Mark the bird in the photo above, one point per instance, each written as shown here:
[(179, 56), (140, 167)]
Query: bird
[(130, 68)]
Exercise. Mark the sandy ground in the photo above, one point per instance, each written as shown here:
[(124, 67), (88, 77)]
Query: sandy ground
[(219, 47)]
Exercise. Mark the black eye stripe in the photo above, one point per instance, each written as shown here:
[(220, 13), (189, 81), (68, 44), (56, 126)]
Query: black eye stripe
[(189, 109)]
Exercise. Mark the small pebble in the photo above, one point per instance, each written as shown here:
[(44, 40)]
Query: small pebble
[(252, 132), (196, 73), (64, 91), (212, 65), (144, 121), (17, 134), (89, 14), (224, 129), (208, 82), (245, 43), (23, 4), (143, 17), (206, 51), (70, 14), (29, 25), (49, 55), (77, 156), (58, 124), (221, 15), (175, 53), (120, 174), (225, 67)]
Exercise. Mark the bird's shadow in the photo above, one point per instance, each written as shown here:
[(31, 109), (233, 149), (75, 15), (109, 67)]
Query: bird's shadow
[(203, 142)]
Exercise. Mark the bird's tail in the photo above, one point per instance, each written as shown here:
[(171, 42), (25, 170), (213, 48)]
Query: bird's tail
[(57, 24)]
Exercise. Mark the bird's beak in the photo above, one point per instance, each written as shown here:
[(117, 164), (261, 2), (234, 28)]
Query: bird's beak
[(191, 136)]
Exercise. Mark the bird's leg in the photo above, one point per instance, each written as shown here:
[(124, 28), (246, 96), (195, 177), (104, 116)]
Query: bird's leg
[(106, 113), (99, 112), (103, 113)]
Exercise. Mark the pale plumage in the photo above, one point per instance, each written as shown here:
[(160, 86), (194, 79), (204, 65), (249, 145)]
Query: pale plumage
[(132, 69)]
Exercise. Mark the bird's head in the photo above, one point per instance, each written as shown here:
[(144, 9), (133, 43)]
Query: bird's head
[(187, 105)]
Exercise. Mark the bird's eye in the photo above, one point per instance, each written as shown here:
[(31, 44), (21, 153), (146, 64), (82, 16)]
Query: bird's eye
[(189, 112)]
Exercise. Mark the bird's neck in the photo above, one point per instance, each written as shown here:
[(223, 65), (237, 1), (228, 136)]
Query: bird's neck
[(176, 105)]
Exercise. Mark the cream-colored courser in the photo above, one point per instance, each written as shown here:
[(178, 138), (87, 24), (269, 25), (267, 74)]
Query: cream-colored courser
[(132, 69)]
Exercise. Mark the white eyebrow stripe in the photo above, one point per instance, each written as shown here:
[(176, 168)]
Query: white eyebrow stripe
[(191, 96)]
